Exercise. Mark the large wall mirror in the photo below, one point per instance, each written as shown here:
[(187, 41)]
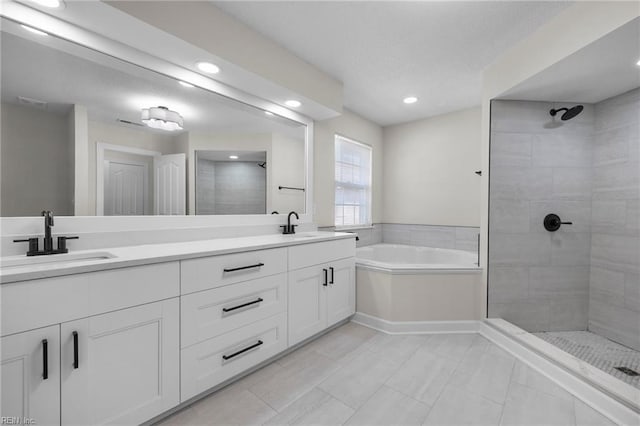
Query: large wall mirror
[(84, 133)]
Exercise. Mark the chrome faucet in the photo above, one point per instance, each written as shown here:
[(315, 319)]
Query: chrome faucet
[(289, 228), (48, 239)]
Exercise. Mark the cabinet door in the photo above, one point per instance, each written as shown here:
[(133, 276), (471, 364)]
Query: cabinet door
[(341, 297), (30, 371), (124, 368), (307, 302)]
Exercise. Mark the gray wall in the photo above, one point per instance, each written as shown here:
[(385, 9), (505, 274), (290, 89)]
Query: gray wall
[(539, 280), (225, 187), (614, 296), (37, 167)]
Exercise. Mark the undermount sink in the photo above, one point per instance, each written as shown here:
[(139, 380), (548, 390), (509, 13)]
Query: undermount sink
[(54, 259)]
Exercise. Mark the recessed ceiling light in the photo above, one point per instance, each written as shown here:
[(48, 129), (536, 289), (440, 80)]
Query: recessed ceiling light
[(268, 113), (292, 103), (33, 30), (185, 84), (233, 157), (208, 67), (48, 3), (410, 100)]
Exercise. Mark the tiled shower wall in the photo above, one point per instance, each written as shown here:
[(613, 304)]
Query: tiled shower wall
[(614, 294), (225, 187), (586, 275), (539, 280)]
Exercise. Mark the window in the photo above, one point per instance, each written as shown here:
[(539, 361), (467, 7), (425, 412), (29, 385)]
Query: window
[(353, 183)]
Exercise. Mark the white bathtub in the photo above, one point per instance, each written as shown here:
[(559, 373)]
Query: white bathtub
[(402, 259), (399, 283)]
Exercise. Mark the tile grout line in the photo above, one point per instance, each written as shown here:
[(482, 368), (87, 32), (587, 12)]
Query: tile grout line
[(337, 361), (383, 383)]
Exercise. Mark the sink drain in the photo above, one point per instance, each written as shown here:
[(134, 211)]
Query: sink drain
[(627, 371)]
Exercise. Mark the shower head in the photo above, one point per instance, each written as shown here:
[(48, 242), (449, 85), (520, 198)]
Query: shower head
[(569, 113)]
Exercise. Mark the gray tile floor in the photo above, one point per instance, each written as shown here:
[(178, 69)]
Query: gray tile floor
[(357, 376)]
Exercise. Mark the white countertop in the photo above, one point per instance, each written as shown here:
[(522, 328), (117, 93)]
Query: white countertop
[(153, 253)]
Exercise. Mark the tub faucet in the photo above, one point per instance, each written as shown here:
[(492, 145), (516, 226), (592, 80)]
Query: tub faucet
[(289, 228)]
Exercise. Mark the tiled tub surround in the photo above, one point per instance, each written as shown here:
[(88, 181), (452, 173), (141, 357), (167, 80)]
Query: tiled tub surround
[(614, 285), (366, 236), (449, 237), (539, 280)]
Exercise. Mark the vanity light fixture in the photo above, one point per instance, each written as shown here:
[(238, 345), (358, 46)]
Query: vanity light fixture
[(33, 30), (185, 84), (410, 100), (49, 3), (208, 67), (233, 157), (292, 103), (162, 118)]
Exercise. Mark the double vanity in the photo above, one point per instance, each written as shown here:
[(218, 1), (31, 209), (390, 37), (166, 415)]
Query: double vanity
[(123, 335)]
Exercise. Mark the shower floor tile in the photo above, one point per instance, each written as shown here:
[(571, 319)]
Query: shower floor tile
[(598, 351)]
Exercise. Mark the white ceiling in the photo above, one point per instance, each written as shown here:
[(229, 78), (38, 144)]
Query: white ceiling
[(62, 74), (384, 51), (605, 68)]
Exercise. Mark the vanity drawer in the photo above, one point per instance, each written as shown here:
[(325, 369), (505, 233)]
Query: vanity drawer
[(217, 271), (215, 360), (304, 255), (38, 303), (210, 313)]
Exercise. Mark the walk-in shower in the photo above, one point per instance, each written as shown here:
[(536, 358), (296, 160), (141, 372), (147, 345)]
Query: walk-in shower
[(564, 227)]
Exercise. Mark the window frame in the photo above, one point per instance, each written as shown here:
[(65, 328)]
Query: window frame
[(369, 187)]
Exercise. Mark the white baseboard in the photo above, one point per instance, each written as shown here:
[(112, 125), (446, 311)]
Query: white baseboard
[(416, 327), (610, 407)]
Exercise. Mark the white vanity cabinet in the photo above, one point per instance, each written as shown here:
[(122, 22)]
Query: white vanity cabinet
[(112, 346), (324, 293), (341, 294), (125, 345), (233, 315), (120, 367), (30, 371)]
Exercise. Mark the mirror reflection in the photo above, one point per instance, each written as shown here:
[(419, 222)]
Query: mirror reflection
[(228, 183), (84, 133)]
